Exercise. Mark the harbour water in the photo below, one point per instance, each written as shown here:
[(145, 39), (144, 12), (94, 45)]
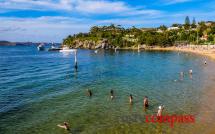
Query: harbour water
[(40, 89)]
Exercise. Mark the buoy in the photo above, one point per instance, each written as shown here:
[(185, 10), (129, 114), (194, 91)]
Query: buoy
[(76, 62)]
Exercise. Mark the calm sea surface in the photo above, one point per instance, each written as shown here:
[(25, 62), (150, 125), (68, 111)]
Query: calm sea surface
[(39, 90)]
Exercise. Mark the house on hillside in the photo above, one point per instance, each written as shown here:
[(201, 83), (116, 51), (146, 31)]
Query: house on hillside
[(159, 31), (130, 37), (208, 23), (204, 37), (172, 28)]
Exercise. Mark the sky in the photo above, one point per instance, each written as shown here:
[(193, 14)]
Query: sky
[(54, 20)]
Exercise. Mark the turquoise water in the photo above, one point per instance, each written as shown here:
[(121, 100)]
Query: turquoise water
[(39, 90)]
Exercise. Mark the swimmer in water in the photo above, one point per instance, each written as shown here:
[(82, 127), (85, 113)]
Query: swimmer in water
[(64, 126), (191, 71), (130, 99), (181, 74), (89, 93), (205, 62), (111, 94), (160, 110), (146, 102)]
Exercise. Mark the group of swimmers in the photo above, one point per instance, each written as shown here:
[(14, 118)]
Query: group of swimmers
[(145, 100), (112, 96)]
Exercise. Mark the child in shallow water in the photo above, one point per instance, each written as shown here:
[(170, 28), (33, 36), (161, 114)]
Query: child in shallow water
[(64, 126), (130, 99), (160, 110), (111, 94), (89, 93), (146, 102)]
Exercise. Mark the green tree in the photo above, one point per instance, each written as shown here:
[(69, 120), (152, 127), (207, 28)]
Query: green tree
[(211, 37), (163, 28), (187, 23), (176, 25), (193, 23)]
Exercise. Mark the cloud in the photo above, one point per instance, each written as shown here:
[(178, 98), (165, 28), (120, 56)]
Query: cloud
[(36, 4), (170, 2), (100, 7), (87, 13), (54, 29), (118, 8), (47, 29), (84, 7)]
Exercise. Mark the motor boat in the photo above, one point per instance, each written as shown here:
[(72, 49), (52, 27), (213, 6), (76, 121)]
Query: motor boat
[(53, 48), (41, 47), (67, 49)]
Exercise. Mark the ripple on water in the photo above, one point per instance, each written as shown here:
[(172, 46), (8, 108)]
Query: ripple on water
[(41, 89)]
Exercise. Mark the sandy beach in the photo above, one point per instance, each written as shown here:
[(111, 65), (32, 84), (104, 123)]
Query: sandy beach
[(201, 49)]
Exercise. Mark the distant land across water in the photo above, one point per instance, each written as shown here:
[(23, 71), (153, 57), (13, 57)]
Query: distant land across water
[(8, 43)]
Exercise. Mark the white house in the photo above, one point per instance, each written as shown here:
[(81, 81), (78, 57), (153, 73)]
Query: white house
[(172, 28)]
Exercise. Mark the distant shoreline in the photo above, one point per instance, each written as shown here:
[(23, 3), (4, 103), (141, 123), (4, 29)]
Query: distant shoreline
[(8, 43), (197, 50)]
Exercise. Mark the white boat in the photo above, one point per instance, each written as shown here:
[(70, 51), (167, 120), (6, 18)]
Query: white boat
[(67, 49), (41, 47), (53, 48)]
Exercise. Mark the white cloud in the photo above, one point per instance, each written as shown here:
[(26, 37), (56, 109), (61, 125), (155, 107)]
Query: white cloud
[(101, 6), (170, 2), (54, 29), (93, 7), (36, 4), (49, 29), (118, 8)]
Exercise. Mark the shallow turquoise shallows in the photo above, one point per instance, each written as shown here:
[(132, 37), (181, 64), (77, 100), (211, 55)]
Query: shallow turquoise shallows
[(39, 90)]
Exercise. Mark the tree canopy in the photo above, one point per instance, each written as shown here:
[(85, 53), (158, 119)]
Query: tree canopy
[(130, 37)]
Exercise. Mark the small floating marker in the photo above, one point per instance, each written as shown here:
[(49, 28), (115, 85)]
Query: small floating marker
[(76, 62)]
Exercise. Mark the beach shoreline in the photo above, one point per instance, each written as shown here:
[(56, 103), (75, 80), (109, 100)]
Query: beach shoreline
[(205, 52), (196, 49)]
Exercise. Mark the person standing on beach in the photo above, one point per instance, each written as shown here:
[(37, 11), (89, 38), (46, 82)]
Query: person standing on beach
[(111, 94), (89, 93), (64, 126), (130, 99), (146, 102)]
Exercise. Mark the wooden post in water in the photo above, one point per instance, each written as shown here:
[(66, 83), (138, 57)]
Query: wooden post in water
[(76, 62)]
